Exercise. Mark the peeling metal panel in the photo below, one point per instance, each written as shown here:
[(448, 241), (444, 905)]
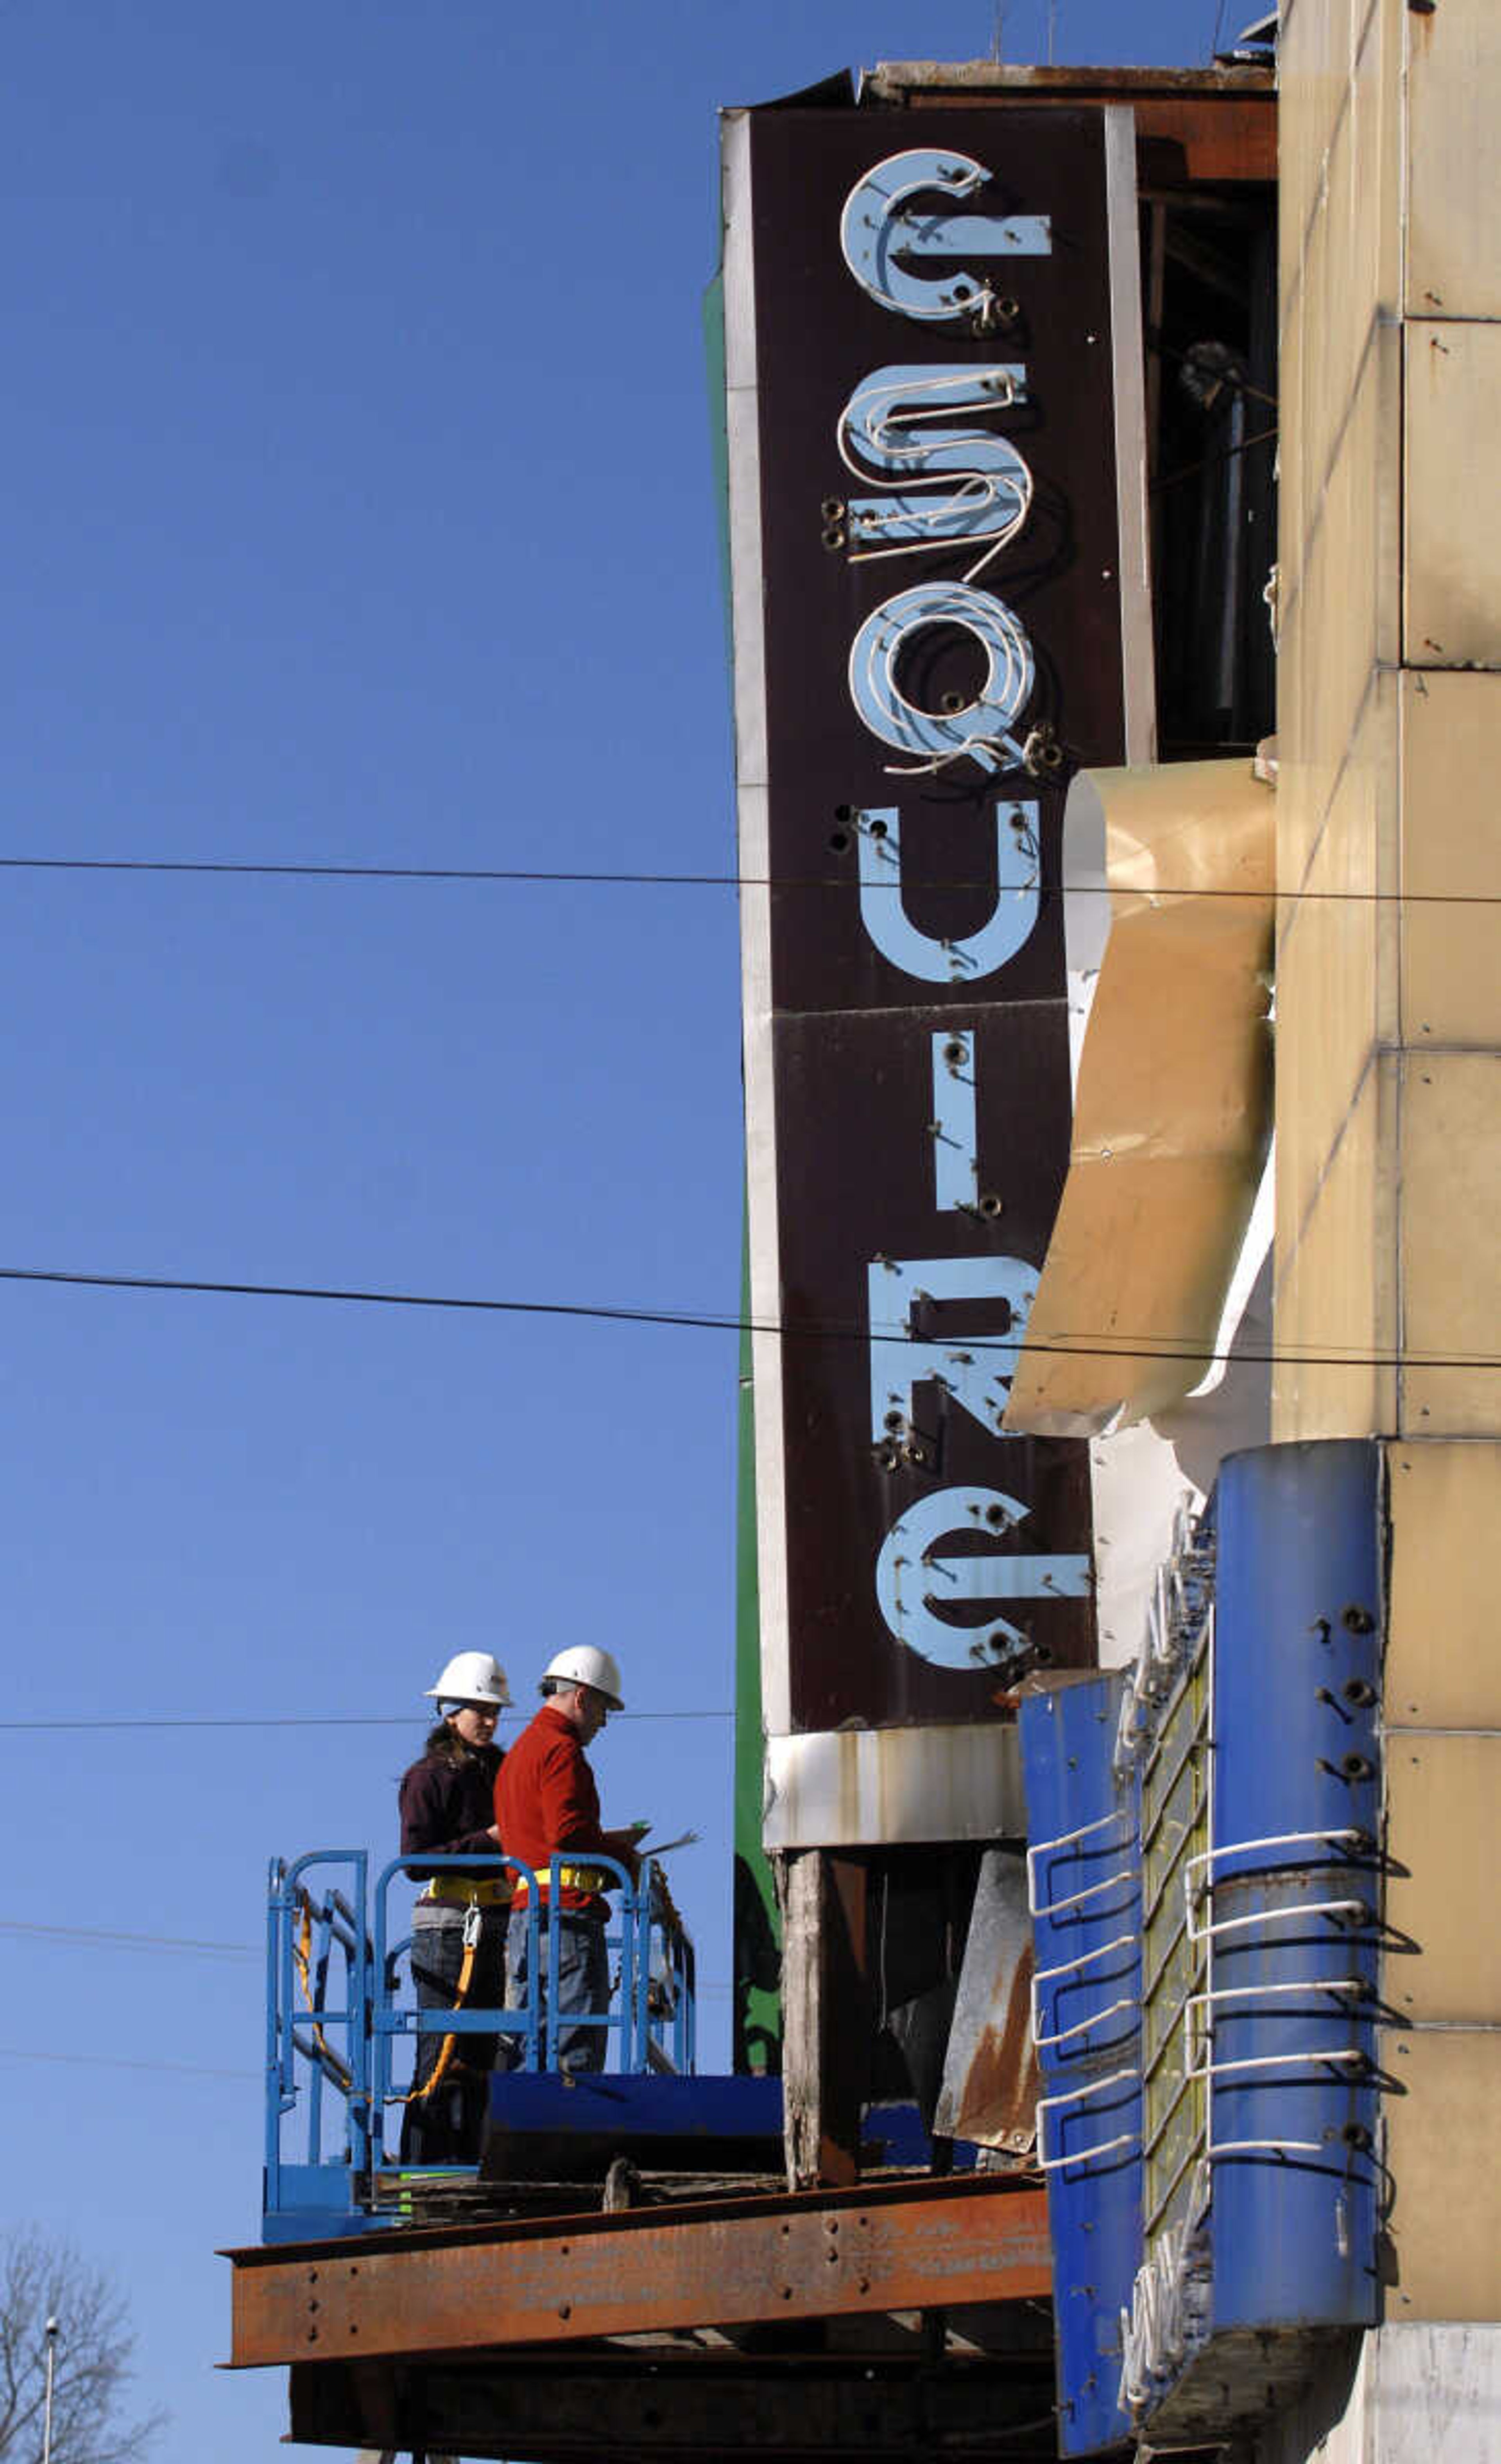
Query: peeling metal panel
[(1173, 1106), (990, 2077), (849, 1786)]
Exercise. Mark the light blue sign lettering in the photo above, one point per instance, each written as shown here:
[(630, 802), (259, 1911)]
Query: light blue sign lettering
[(881, 226), (977, 955), (977, 1372), (980, 728), (889, 431), (915, 1583), (956, 1168)]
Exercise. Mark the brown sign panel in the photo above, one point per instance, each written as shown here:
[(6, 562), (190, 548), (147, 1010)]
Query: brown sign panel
[(939, 607)]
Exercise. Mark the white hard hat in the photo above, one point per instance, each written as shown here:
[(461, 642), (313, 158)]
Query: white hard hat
[(583, 1663), (471, 1677)]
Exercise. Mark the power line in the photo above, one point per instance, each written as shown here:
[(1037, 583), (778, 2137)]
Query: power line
[(117, 1941), (122, 2062), (305, 1720), (91, 1936), (1079, 1347), (523, 876)]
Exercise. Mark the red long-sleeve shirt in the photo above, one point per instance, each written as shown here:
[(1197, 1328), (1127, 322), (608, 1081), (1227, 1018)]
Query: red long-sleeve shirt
[(546, 1803)]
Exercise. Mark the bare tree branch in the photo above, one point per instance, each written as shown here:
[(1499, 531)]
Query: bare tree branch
[(42, 2279)]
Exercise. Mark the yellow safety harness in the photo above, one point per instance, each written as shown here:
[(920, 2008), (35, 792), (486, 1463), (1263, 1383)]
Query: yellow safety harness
[(592, 1879), (455, 1890), (302, 1952), (475, 1898)]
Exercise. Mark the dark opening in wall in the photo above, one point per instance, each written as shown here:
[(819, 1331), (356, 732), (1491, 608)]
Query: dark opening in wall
[(1209, 312)]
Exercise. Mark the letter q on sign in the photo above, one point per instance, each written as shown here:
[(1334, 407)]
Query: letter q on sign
[(980, 728)]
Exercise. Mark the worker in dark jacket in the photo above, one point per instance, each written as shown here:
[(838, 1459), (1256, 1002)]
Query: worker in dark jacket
[(447, 1808), (549, 1806)]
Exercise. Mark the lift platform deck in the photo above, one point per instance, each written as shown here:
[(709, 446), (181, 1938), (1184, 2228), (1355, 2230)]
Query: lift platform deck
[(901, 2317)]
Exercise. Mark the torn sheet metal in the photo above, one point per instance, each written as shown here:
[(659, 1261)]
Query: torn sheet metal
[(1173, 1107), (990, 2077)]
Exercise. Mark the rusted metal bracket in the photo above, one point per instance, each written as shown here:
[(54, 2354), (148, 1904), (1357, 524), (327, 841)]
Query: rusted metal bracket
[(914, 2245)]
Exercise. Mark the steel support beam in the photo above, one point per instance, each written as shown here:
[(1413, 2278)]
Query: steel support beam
[(918, 2245)]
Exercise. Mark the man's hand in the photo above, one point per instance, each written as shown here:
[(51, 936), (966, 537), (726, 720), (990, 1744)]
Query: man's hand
[(622, 1846)]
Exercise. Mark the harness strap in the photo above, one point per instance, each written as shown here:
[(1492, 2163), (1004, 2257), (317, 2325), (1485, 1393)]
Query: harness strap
[(302, 1953), (591, 1878), (420, 2095)]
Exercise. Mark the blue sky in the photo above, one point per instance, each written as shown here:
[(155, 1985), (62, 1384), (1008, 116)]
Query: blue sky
[(358, 508)]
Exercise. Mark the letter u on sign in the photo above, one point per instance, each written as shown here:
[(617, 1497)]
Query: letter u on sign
[(969, 958)]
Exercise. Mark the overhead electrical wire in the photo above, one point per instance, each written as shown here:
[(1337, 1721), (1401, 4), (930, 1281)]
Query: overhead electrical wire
[(111, 1938), (118, 1941), (123, 1941), (522, 877), (305, 1720), (121, 2062), (1083, 1345)]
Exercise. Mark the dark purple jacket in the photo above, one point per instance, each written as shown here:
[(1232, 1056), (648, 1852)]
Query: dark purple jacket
[(448, 1804)]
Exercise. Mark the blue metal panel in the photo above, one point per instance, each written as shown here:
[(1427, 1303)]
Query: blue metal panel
[(1084, 1868), (726, 2106), (892, 2136), (1294, 1894)]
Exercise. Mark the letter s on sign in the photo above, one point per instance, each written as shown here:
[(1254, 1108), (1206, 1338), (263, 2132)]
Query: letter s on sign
[(879, 228), (888, 429)]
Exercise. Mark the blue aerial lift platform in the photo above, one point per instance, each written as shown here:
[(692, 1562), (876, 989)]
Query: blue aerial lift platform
[(340, 2010)]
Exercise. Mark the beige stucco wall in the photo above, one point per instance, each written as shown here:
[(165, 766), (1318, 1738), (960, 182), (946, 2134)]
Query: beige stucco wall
[(1389, 984), (1389, 987), (1388, 1268)]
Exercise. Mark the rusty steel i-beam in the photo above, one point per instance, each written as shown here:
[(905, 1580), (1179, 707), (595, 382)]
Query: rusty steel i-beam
[(914, 2246)]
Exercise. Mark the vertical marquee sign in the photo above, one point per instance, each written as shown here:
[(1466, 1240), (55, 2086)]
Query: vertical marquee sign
[(925, 325)]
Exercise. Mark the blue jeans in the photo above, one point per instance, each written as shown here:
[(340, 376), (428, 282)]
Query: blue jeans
[(583, 1982), (446, 2128)]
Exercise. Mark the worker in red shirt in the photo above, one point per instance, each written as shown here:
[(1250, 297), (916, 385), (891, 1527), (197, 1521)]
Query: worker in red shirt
[(546, 1806)]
